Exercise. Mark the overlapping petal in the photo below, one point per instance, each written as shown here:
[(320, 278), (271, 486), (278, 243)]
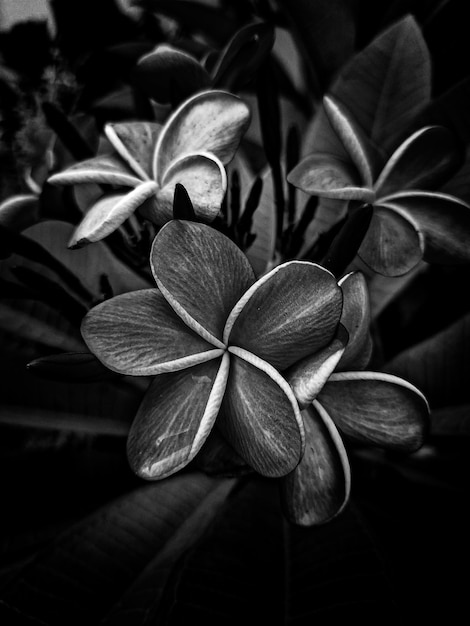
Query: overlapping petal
[(328, 176), (260, 416), (138, 333), (424, 161), (307, 376), (288, 314), (318, 488), (377, 408), (201, 273), (104, 170), (443, 222), (392, 245), (135, 144), (204, 178), (109, 213), (211, 121), (175, 418), (355, 317)]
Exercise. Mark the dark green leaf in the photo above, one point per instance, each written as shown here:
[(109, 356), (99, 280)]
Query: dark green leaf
[(182, 206)]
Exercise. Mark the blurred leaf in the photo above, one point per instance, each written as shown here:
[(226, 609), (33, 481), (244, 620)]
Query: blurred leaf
[(71, 367), (66, 131), (439, 366), (261, 252), (243, 55), (325, 33), (451, 421), (85, 570)]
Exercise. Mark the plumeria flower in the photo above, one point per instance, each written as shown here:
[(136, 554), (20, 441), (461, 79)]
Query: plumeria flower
[(411, 222), (191, 148), (340, 401), (216, 341)]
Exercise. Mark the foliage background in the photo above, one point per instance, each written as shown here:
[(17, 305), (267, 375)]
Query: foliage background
[(84, 541)]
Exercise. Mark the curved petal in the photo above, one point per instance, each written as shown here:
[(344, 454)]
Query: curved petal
[(201, 273), (135, 143), (175, 418), (327, 176), (392, 245), (109, 213), (425, 160), (260, 417), (105, 170), (307, 376), (204, 178), (211, 121), (319, 487), (355, 317), (19, 211), (350, 135), (377, 408), (138, 333), (287, 314), (442, 220), (167, 74)]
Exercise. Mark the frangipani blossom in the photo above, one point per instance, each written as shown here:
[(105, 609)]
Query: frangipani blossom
[(191, 148), (340, 400), (410, 221), (216, 341)]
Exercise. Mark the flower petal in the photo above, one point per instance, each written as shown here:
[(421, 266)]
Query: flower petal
[(167, 74), (307, 376), (175, 418), (328, 176), (211, 121), (425, 160), (355, 317), (138, 333), (287, 314), (135, 143), (105, 170), (351, 138), (201, 273), (109, 213), (377, 408), (318, 488), (442, 220), (392, 246), (204, 178), (260, 417)]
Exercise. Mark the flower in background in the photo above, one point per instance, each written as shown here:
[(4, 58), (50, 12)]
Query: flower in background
[(191, 148), (411, 221), (339, 400)]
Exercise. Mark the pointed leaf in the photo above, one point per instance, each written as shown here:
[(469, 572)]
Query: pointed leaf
[(103, 170), (307, 376), (182, 206), (442, 221), (202, 275), (425, 160), (318, 489), (325, 175), (204, 178), (135, 143), (392, 245), (377, 408), (287, 314), (175, 418), (355, 317), (138, 333), (167, 74), (260, 417), (70, 366), (212, 121), (109, 213)]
